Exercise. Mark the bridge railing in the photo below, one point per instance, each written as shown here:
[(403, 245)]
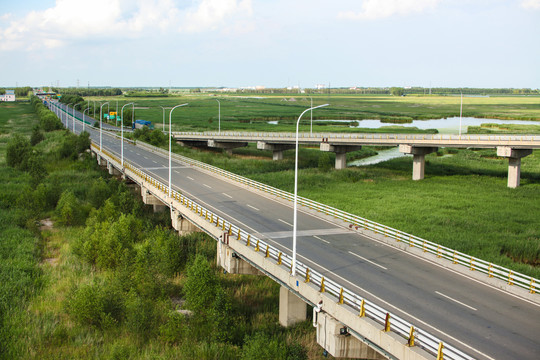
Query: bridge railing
[(503, 139), (364, 308), (359, 223)]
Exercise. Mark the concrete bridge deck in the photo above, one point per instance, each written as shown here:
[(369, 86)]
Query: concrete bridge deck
[(513, 147)]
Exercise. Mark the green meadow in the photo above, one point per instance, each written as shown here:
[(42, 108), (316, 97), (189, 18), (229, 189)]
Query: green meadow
[(252, 113)]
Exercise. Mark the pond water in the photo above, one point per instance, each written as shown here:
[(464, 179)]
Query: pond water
[(444, 126)]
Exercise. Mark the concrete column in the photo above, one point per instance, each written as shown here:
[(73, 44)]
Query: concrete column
[(341, 152), (514, 163), (277, 149), (292, 309), (101, 161), (181, 224), (112, 169), (227, 146), (149, 199), (231, 262), (419, 158), (334, 337)]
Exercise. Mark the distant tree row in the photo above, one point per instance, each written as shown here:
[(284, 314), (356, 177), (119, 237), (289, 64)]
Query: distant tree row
[(19, 91), (89, 91)]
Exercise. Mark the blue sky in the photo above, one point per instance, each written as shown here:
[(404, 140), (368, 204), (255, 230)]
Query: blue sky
[(273, 43)]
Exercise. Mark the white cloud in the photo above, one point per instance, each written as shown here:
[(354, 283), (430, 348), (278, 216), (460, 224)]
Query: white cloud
[(211, 13), (531, 4), (70, 21), (378, 9)]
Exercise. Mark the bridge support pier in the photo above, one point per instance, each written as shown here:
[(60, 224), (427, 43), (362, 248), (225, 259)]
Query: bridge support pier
[(277, 149), (181, 224), (292, 309), (341, 152), (334, 337), (149, 199), (514, 163), (112, 170), (230, 261), (101, 161), (419, 158), (227, 146)]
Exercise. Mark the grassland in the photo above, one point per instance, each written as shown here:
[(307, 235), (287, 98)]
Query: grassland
[(252, 113), (80, 287)]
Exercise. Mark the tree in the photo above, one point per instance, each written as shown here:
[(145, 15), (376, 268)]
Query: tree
[(36, 169), (201, 285), (18, 152), (397, 91)]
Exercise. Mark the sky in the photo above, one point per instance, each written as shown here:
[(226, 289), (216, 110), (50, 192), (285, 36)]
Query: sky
[(271, 43)]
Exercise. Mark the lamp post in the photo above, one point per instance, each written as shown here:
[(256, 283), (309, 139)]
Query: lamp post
[(83, 123), (219, 116), (293, 264), (100, 125), (170, 135), (74, 116), (162, 108), (460, 113), (122, 132), (311, 126), (67, 112)]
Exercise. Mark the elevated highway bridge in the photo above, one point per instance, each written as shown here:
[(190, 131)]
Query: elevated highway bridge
[(513, 147), (377, 292)]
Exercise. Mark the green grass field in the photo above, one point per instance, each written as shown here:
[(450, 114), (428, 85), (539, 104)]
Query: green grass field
[(251, 113)]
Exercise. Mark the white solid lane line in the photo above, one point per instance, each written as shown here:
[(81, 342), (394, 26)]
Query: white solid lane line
[(369, 261), (283, 221), (456, 301), (253, 207)]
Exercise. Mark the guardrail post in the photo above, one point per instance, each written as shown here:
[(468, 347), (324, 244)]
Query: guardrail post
[(322, 289), (387, 323), (230, 229), (472, 263), (239, 236), (490, 270), (439, 251), (440, 355), (510, 279), (307, 276), (267, 251), (362, 308), (454, 260), (410, 342), (257, 247), (248, 240), (279, 259), (340, 301), (532, 286)]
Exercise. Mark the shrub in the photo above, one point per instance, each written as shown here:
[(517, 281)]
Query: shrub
[(325, 163), (201, 285), (69, 210), (18, 152), (36, 169), (99, 192), (37, 136), (96, 304), (141, 316)]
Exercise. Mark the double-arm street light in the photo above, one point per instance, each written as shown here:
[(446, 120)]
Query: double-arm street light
[(170, 144), (293, 265), (100, 124), (122, 132)]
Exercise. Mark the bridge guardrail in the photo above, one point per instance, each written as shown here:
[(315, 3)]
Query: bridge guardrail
[(503, 139), (390, 322), (474, 264)]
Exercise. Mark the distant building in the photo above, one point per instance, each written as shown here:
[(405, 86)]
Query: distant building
[(9, 96)]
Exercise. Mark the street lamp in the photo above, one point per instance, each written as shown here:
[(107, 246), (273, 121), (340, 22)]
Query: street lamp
[(67, 112), (122, 132), (170, 135), (162, 108), (83, 123), (219, 116), (460, 113), (100, 125), (311, 126), (74, 117), (293, 264)]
